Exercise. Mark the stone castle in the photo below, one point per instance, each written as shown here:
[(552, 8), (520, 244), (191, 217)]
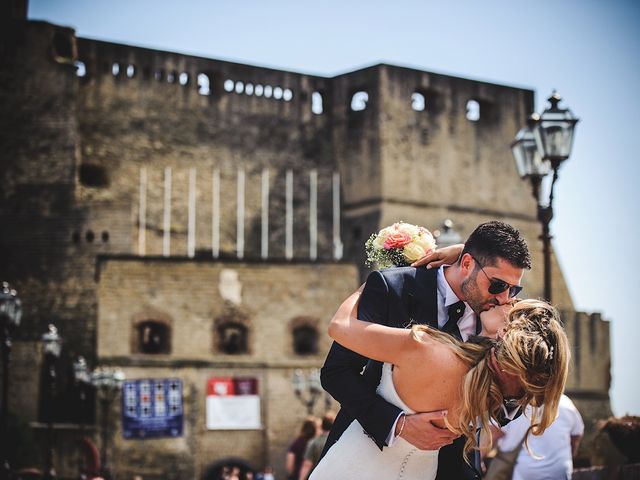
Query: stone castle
[(221, 209)]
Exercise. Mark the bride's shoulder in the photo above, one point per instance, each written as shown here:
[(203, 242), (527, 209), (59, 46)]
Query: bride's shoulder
[(438, 355)]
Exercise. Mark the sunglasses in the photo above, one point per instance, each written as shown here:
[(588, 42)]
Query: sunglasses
[(497, 286)]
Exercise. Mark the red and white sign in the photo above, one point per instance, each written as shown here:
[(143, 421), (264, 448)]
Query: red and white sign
[(233, 404)]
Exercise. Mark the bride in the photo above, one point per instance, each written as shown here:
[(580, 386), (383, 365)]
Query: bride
[(426, 370)]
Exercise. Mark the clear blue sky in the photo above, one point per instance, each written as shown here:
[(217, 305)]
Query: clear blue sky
[(587, 49)]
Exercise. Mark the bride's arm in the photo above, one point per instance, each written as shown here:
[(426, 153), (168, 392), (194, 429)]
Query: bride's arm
[(371, 340)]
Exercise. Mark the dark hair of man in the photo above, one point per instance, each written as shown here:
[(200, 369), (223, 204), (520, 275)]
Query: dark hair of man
[(495, 239)]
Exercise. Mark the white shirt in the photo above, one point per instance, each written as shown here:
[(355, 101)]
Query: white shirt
[(446, 298), (466, 324), (554, 445)]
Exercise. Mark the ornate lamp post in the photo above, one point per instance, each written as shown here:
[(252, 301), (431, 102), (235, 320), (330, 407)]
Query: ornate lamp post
[(108, 383), (82, 378), (307, 387), (446, 235), (539, 148), (10, 315), (52, 347)]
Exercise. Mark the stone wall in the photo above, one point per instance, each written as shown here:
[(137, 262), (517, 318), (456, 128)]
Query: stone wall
[(192, 294), (83, 123)]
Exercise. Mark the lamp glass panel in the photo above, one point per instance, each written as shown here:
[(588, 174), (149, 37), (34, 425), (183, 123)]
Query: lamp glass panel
[(554, 134)]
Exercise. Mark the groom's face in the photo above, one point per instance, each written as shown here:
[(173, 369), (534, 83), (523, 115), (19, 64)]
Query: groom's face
[(475, 287)]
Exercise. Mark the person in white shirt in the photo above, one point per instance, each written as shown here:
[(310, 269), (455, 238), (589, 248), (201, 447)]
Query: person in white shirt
[(550, 455)]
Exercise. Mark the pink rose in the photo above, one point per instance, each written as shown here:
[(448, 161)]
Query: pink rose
[(397, 239)]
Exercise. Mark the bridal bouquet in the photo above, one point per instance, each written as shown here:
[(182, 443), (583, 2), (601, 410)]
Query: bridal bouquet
[(398, 245)]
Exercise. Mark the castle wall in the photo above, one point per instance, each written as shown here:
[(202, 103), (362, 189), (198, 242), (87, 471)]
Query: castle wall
[(85, 145), (192, 295)]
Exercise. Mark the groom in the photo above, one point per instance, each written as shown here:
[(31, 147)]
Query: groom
[(487, 274)]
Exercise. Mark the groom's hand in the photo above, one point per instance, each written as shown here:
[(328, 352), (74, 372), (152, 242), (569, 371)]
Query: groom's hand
[(420, 431), (442, 256)]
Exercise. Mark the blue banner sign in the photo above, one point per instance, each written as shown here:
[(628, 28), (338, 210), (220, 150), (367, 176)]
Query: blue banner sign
[(152, 408)]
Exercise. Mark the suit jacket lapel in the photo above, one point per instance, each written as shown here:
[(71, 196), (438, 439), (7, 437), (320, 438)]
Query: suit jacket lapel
[(427, 296)]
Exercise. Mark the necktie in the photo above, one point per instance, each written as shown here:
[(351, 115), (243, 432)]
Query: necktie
[(455, 312)]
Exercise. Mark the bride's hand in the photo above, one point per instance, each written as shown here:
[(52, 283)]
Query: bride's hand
[(442, 256), (420, 431)]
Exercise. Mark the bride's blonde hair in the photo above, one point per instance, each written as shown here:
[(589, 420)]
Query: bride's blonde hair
[(533, 347)]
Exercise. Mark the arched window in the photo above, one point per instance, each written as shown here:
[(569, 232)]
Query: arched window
[(418, 102), (359, 101), (153, 337), (204, 85), (232, 338), (473, 110), (305, 340), (317, 106)]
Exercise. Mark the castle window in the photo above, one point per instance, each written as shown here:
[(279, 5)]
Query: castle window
[(277, 93), (228, 85), (172, 76), (305, 340), (287, 95), (316, 103), (63, 49), (81, 69), (359, 101), (239, 87), (248, 89), (115, 69), (418, 102), (153, 338), (259, 90), (183, 78), (232, 338), (473, 110), (91, 175), (131, 71), (268, 91), (204, 85)]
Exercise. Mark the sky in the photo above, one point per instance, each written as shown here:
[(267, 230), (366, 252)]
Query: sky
[(586, 49)]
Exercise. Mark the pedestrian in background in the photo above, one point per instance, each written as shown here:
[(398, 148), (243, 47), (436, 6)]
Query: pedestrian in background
[(315, 446), (551, 454), (295, 452)]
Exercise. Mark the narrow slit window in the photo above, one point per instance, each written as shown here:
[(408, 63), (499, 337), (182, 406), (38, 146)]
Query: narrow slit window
[(317, 106)]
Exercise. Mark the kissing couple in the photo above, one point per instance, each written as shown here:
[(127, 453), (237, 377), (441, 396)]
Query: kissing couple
[(424, 359)]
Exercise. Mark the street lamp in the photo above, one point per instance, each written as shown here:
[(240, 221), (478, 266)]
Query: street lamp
[(10, 315), (446, 235), (307, 387), (52, 347), (82, 378), (539, 148), (108, 383)]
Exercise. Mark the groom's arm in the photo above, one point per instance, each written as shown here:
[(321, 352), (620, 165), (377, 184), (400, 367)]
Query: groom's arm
[(341, 376)]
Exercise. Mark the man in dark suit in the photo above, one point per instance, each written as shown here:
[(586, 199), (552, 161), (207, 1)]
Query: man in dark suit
[(487, 273)]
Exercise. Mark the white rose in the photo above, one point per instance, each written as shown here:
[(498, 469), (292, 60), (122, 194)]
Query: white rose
[(426, 241), (413, 252)]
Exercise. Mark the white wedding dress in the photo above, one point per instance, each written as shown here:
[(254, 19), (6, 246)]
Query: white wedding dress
[(355, 456)]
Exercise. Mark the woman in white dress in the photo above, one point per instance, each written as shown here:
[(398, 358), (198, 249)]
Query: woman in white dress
[(426, 370)]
